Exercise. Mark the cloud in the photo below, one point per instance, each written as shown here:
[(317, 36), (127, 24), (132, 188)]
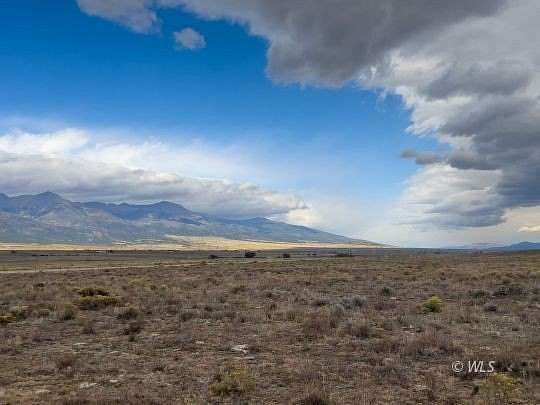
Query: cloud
[(530, 228), (466, 70), (72, 164), (134, 14), (421, 158), (190, 39)]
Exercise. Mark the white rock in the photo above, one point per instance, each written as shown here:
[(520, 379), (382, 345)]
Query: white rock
[(86, 385), (240, 348)]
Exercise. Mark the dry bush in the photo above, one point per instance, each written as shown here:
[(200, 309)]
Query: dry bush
[(93, 303), (316, 324), (238, 380), (314, 398), (128, 313), (358, 329), (68, 313), (64, 361), (92, 291)]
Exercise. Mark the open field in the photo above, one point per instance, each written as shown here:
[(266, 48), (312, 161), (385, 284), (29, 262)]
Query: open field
[(178, 327), (188, 243)]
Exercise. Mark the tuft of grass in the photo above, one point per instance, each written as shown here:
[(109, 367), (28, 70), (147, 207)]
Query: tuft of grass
[(314, 398), (234, 381), (433, 304)]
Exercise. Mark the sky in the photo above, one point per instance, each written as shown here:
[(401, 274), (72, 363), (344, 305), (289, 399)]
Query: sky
[(409, 123)]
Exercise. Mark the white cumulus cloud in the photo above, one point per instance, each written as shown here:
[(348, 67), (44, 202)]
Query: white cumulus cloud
[(73, 164), (189, 39)]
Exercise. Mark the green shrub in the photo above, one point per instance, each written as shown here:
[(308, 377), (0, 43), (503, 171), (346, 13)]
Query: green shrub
[(433, 304)]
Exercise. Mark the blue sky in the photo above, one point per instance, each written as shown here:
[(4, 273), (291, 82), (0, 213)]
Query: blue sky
[(62, 68)]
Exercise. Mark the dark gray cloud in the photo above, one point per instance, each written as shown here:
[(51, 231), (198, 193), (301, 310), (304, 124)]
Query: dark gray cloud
[(500, 77), (421, 158), (329, 42)]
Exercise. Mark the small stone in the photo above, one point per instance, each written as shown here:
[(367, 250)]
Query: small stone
[(199, 342), (240, 348), (42, 391), (86, 385)]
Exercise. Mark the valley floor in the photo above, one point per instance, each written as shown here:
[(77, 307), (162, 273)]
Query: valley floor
[(383, 326)]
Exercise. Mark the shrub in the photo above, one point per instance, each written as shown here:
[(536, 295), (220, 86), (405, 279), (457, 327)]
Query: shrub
[(238, 289), (19, 312), (68, 313), (358, 329), (250, 255), (479, 293), (354, 302), (499, 388), (386, 291), (316, 325), (128, 313), (65, 360), (286, 255), (92, 291), (133, 328), (433, 304), (5, 319), (187, 315), (212, 257), (233, 381), (96, 302)]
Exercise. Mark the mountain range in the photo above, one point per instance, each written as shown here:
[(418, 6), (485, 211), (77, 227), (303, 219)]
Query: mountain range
[(49, 218), (521, 246)]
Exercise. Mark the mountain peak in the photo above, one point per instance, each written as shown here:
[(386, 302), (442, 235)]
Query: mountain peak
[(48, 195)]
